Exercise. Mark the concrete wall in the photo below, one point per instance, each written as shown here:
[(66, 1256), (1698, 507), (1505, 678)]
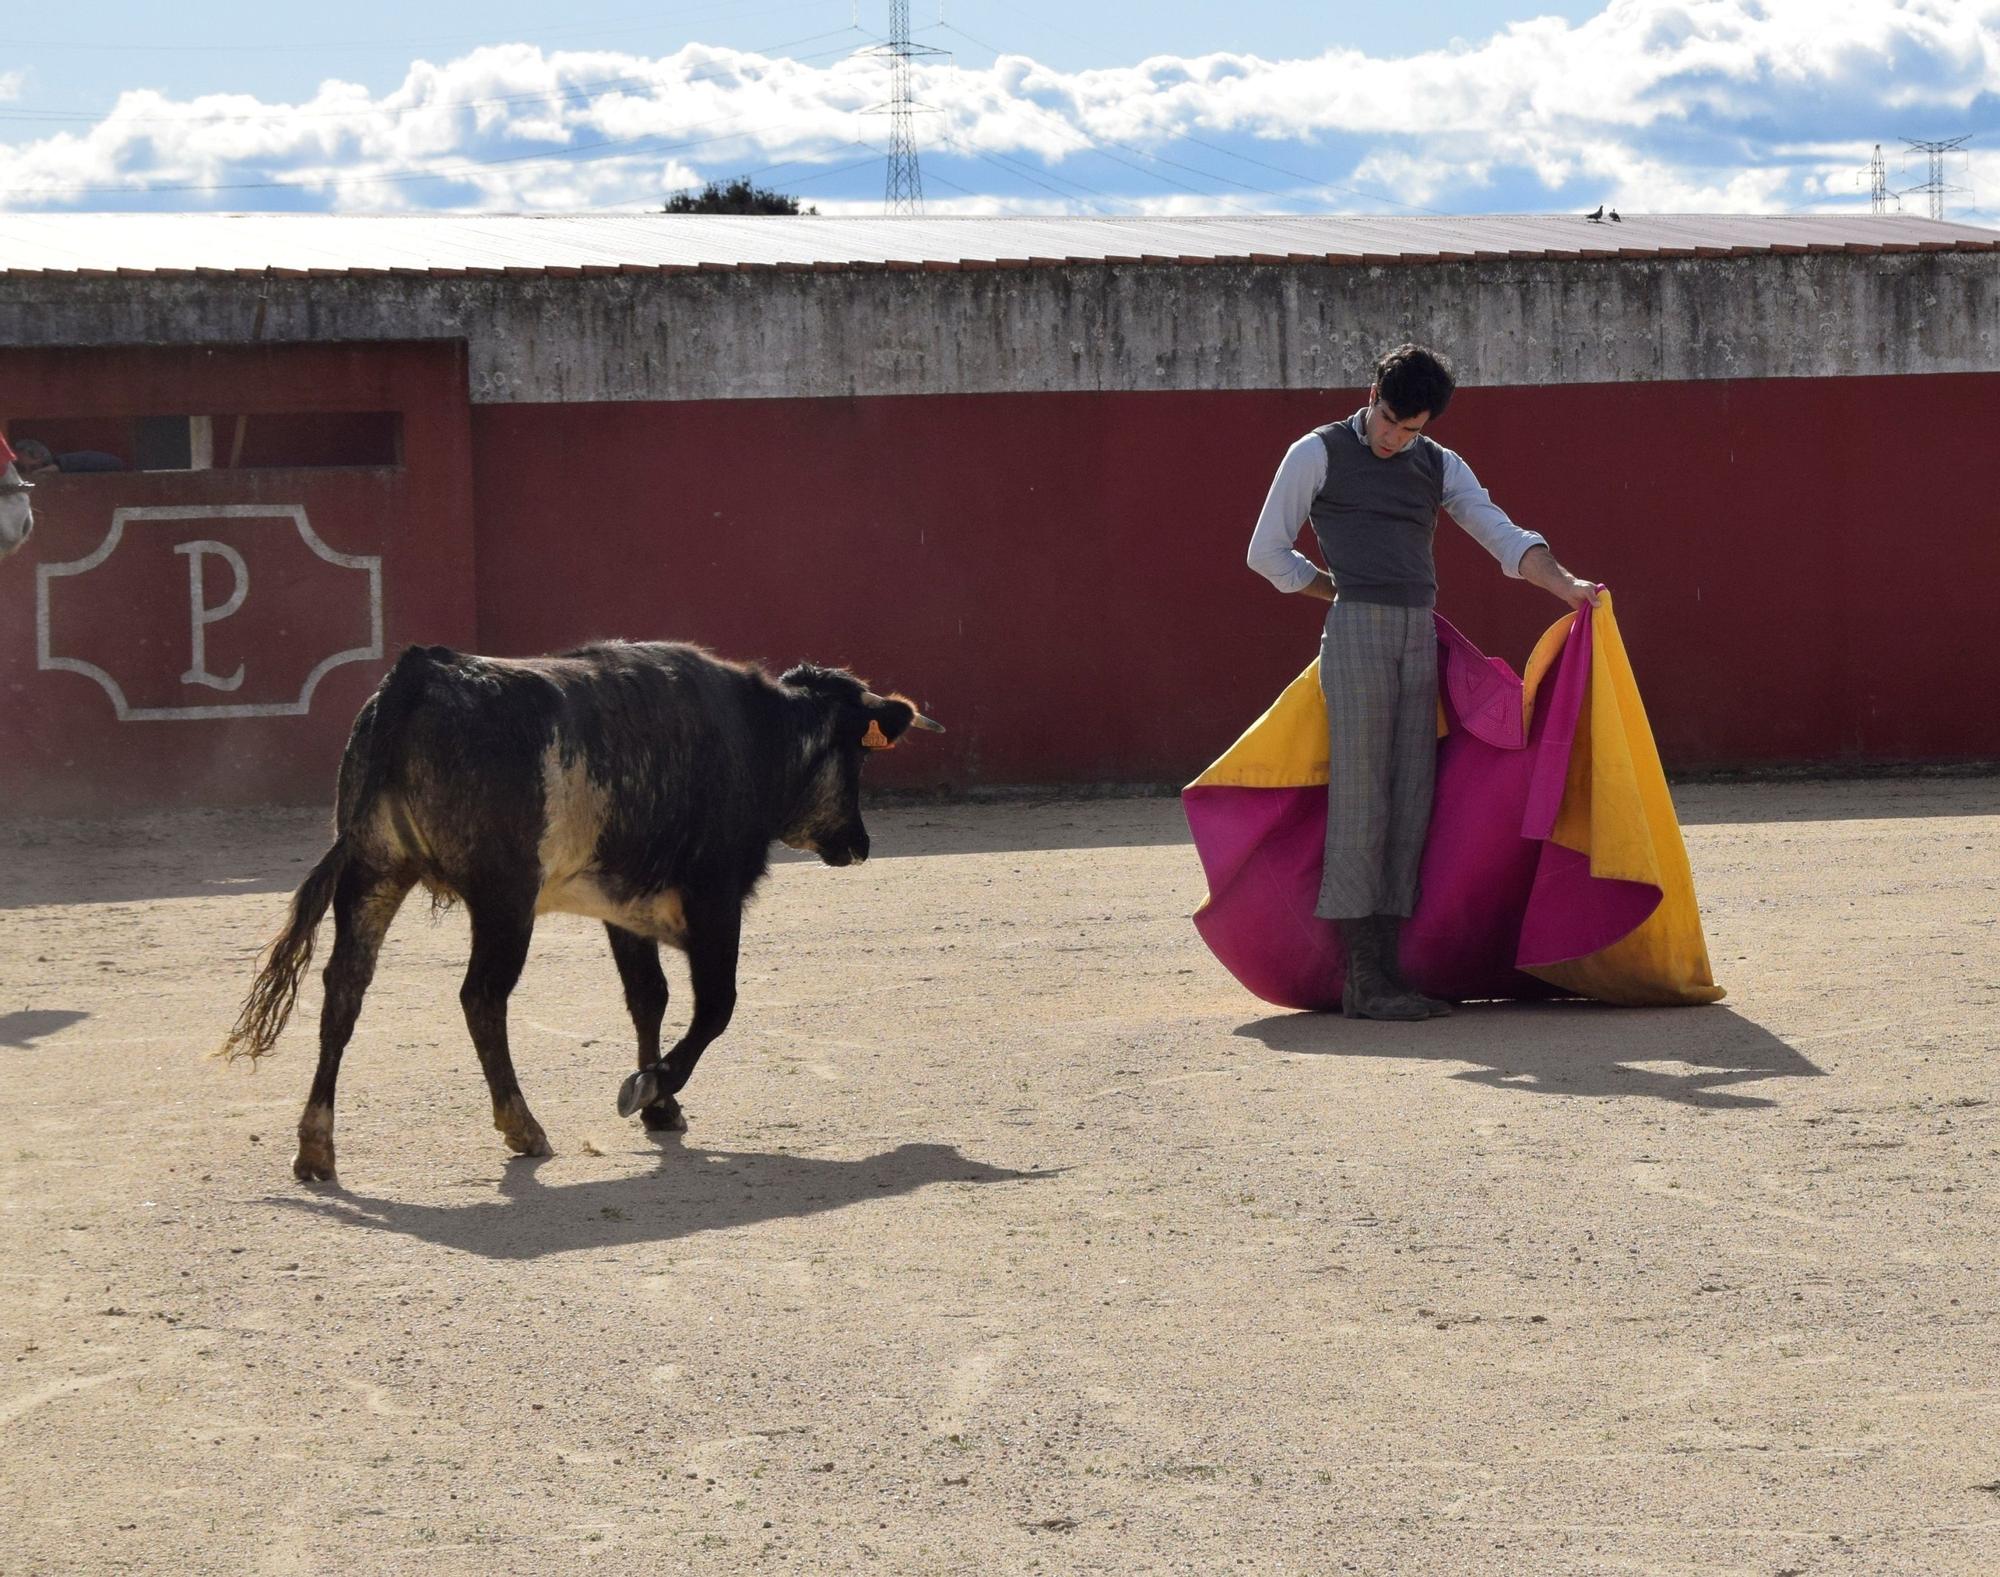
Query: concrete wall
[(1073, 329)]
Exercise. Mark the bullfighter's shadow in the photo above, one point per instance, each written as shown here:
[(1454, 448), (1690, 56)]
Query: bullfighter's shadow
[(692, 1191), (1566, 1048)]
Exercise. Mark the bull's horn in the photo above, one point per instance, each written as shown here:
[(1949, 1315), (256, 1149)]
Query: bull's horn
[(917, 719)]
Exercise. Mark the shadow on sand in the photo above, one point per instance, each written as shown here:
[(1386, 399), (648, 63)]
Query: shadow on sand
[(1566, 1048), (691, 1191), (24, 1028), (50, 862), (1050, 822)]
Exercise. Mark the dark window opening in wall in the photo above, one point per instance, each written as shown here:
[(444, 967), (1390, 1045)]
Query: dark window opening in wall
[(164, 443), (309, 438), (216, 442)]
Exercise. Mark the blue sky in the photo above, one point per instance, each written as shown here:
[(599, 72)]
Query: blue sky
[(1457, 106)]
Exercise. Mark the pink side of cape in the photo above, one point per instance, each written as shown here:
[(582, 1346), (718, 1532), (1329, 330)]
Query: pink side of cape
[(1496, 896)]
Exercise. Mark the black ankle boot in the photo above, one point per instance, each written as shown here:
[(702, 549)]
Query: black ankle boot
[(1389, 943), (1368, 993)]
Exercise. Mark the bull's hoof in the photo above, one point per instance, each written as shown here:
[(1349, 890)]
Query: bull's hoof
[(641, 1089), (529, 1140), (664, 1116), (518, 1127), (314, 1162), (314, 1165)]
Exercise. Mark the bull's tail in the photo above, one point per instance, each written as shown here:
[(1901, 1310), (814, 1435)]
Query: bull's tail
[(276, 988), (366, 771)]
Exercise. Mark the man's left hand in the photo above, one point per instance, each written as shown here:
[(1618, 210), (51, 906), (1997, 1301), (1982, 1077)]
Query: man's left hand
[(1539, 565)]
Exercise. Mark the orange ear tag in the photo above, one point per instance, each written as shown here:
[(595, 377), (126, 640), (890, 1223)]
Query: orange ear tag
[(875, 739)]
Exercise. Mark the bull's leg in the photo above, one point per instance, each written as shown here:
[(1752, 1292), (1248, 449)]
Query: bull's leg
[(638, 960), (364, 903), (502, 926), (714, 930)]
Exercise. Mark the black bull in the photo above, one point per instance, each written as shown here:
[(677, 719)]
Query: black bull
[(639, 784)]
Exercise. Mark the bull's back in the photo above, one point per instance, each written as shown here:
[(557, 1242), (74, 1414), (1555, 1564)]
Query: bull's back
[(601, 780)]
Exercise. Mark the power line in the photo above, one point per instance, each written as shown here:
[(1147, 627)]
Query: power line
[(1168, 179), (1019, 169), (1044, 22), (308, 183), (751, 175), (1092, 144), (839, 169), (1313, 181), (639, 23), (1209, 174), (651, 203), (590, 89)]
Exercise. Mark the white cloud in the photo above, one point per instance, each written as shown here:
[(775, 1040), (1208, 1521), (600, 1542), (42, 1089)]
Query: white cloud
[(1657, 105)]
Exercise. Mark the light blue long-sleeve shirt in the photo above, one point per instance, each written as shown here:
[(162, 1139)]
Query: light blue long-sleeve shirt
[(1302, 473)]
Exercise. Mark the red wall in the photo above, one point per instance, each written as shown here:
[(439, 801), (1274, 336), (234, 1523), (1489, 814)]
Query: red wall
[(131, 617), (1060, 578), (1801, 568)]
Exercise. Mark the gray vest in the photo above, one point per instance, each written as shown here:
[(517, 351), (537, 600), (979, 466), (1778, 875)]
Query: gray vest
[(1375, 518)]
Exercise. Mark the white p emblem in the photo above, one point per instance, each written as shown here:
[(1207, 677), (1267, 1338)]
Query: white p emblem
[(202, 615)]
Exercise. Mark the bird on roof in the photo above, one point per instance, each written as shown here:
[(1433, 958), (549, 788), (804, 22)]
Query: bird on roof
[(1594, 218), (1614, 217)]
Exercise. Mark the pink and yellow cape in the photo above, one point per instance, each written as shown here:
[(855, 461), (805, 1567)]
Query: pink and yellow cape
[(1554, 864)]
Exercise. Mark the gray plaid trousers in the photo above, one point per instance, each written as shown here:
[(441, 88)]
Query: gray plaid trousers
[(1378, 674)]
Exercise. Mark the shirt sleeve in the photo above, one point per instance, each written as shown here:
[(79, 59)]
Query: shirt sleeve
[(1301, 474), (1483, 520)]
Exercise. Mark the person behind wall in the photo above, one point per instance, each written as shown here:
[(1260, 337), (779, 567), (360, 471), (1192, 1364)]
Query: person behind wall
[(1371, 486), (17, 515), (34, 456)]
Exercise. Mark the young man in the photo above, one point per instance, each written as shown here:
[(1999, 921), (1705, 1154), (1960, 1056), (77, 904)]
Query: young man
[(34, 457), (1372, 487)]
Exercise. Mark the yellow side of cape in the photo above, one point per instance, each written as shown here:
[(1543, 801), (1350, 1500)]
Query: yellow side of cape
[(1287, 746), (1616, 810)]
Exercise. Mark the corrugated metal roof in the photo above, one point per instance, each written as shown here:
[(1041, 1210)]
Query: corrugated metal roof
[(106, 244)]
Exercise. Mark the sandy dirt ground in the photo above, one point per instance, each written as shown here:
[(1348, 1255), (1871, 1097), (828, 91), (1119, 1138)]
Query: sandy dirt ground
[(1009, 1234)]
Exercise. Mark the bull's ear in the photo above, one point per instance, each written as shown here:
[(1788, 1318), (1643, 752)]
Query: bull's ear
[(889, 718), (886, 722)]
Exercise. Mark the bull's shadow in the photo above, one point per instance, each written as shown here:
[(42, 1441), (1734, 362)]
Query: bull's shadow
[(1567, 1048), (690, 1192)]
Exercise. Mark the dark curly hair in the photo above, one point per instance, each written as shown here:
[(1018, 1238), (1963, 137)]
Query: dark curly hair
[(1412, 379)]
